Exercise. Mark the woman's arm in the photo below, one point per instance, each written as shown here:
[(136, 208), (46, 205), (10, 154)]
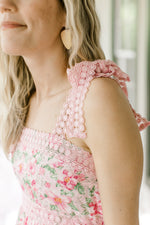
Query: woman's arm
[(114, 139)]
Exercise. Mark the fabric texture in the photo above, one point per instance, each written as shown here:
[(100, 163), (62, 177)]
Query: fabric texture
[(57, 177)]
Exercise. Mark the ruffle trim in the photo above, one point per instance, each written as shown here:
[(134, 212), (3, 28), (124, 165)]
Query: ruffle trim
[(104, 68)]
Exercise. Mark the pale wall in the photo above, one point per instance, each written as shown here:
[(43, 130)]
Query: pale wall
[(105, 14)]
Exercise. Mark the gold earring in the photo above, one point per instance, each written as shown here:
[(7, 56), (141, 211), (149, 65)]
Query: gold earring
[(66, 38)]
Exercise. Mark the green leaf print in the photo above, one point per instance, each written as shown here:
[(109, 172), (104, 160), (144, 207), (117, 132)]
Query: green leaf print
[(79, 172), (88, 200), (92, 191), (17, 155), (50, 157), (38, 161), (72, 214), (12, 160), (38, 157), (45, 195), (34, 193), (60, 167), (58, 185), (80, 188), (71, 204), (25, 154), (50, 169), (53, 207), (85, 212), (27, 182), (62, 192), (54, 177), (37, 153)]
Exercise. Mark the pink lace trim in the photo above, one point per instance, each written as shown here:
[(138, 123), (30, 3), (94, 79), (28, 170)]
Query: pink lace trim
[(71, 122), (80, 76)]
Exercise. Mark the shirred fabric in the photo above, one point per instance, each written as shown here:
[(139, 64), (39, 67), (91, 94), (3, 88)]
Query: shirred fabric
[(58, 178)]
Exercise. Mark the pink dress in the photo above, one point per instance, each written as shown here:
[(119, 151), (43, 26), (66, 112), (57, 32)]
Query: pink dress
[(57, 177)]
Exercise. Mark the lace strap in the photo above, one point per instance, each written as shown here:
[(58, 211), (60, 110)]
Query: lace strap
[(80, 77)]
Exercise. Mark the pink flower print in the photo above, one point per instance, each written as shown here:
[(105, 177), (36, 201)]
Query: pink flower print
[(32, 168), (101, 210), (34, 189), (37, 202), (33, 182), (96, 208), (97, 192), (61, 201), (24, 148), (22, 187), (26, 221), (27, 186), (57, 164), (41, 171), (57, 200), (65, 172), (47, 185), (71, 181), (91, 204), (80, 177), (32, 194), (34, 151), (42, 197), (68, 182), (29, 190), (98, 205)]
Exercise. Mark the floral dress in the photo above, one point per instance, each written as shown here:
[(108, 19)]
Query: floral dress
[(57, 177)]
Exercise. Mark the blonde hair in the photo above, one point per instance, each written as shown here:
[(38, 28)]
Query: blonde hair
[(16, 83)]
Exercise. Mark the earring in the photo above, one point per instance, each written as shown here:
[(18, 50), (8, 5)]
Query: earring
[(66, 38)]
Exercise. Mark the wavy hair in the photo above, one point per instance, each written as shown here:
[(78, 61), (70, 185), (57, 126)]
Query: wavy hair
[(16, 82)]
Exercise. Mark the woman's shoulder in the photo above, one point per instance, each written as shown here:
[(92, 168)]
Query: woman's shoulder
[(106, 104), (103, 91), (109, 93), (110, 89), (97, 100), (87, 70)]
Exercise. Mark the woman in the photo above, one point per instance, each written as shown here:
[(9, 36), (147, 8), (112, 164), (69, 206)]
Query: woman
[(73, 140)]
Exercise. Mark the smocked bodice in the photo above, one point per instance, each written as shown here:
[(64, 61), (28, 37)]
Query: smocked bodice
[(57, 177)]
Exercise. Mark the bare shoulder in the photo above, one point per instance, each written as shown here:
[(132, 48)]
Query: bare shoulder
[(103, 90), (107, 108), (115, 142)]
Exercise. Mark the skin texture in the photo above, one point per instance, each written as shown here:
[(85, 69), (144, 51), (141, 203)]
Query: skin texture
[(38, 42), (115, 143), (117, 150)]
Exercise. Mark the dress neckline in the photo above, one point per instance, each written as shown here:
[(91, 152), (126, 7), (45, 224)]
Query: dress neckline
[(70, 75), (41, 133), (58, 119)]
